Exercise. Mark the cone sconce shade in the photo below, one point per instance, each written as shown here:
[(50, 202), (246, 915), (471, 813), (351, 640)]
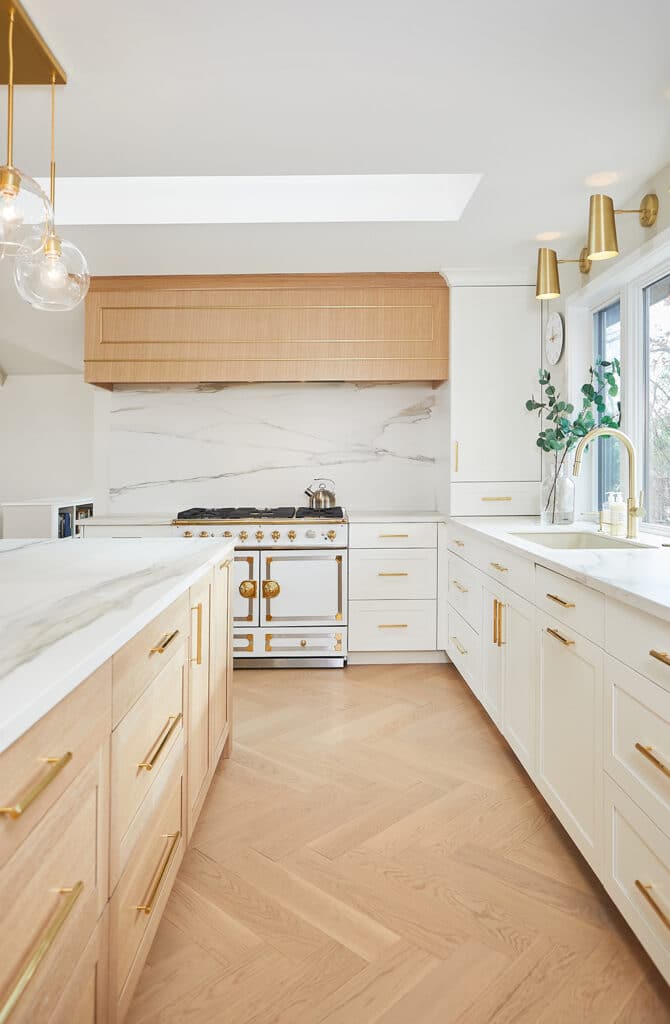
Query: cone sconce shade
[(602, 241), (547, 285)]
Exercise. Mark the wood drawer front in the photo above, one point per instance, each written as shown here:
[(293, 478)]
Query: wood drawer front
[(465, 591), (637, 712), (66, 851), (392, 625), (143, 657), (85, 998), (145, 736), (631, 636), (70, 734), (146, 882), (392, 535), (638, 852), (512, 570), (464, 649), (570, 602), (494, 499), (409, 574)]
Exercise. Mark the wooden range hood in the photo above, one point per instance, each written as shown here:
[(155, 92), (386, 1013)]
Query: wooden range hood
[(274, 327)]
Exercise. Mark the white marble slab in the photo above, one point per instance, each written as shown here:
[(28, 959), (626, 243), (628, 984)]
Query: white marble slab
[(67, 606)]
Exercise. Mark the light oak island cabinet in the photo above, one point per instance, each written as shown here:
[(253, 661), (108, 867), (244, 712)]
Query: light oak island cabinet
[(98, 800), (276, 327)]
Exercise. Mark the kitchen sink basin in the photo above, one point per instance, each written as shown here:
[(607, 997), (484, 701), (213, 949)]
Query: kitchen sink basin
[(578, 541)]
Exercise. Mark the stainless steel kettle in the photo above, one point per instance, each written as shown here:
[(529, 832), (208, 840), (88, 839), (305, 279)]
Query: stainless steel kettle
[(321, 496)]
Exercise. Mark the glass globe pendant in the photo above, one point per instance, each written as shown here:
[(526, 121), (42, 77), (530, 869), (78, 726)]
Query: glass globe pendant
[(25, 212), (50, 273)]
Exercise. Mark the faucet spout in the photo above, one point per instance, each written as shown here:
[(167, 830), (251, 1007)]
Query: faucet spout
[(633, 507)]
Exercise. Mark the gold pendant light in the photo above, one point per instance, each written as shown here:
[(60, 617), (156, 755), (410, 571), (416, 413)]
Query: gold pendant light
[(547, 284), (602, 241)]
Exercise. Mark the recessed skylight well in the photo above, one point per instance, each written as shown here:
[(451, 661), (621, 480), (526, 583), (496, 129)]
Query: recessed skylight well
[(275, 199)]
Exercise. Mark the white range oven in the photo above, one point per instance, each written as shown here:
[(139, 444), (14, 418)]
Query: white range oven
[(290, 591)]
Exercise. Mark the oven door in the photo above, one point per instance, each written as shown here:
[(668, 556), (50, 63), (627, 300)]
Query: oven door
[(246, 588), (303, 588)]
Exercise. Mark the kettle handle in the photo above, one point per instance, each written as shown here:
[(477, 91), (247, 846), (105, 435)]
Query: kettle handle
[(325, 480)]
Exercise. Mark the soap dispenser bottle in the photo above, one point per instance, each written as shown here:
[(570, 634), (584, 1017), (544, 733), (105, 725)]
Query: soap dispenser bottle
[(617, 510)]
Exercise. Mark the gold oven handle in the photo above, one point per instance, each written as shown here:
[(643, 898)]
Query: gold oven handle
[(40, 950), (271, 589), (31, 793), (248, 589), (164, 735), (160, 875), (164, 642)]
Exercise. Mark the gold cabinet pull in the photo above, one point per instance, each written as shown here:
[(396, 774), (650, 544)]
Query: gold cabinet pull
[(40, 950), (557, 636), (164, 735), (31, 792), (227, 564), (656, 759), (271, 589), (559, 600), (456, 454), (392, 625), (393, 574), (500, 609), (198, 634), (459, 586), (499, 567), (459, 543), (497, 497), (459, 647), (160, 873), (164, 642), (495, 621), (661, 656), (248, 589), (392, 536), (655, 902)]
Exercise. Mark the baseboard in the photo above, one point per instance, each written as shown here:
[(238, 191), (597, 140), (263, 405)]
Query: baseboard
[(397, 658)]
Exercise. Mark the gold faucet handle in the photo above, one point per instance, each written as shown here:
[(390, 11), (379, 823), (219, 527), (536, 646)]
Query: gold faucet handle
[(639, 509)]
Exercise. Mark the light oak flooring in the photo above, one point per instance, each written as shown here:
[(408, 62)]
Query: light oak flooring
[(374, 853)]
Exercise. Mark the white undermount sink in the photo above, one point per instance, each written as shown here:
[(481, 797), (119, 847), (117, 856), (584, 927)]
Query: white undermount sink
[(578, 541)]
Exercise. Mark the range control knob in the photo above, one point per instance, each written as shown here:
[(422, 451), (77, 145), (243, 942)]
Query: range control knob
[(203, 533), (276, 535), (227, 533), (259, 535), (243, 534), (311, 534), (187, 533), (291, 534), (331, 535)]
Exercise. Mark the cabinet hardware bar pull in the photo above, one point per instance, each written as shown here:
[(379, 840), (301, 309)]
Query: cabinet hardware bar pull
[(495, 621), (459, 586), (164, 735), (559, 600), (501, 497), (392, 625), (456, 453), (658, 907), (656, 759), (499, 567), (661, 656), (459, 647), (385, 536), (164, 642), (500, 608), (198, 640), (557, 636), (393, 574), (160, 874), (32, 792), (227, 564), (459, 543), (42, 947)]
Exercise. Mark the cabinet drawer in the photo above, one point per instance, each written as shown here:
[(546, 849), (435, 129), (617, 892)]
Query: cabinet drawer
[(84, 1000), (639, 640), (409, 573), (143, 657), (637, 739), (36, 769), (304, 643), (52, 892), (464, 649), (465, 544), (637, 873), (392, 625), (139, 899), (572, 603), (393, 535), (494, 499), (465, 591), (510, 569), (141, 744)]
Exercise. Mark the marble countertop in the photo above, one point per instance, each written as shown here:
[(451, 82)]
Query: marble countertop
[(67, 606), (636, 575), (384, 516)]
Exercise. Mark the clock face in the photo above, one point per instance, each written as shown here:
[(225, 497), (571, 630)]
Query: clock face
[(553, 338)]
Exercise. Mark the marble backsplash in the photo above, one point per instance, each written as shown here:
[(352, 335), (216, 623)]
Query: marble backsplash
[(165, 449)]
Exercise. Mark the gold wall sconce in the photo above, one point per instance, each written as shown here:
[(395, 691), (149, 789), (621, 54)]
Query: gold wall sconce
[(602, 243), (547, 283)]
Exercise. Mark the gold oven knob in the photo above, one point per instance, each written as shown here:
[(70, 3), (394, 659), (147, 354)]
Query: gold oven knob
[(276, 535), (331, 535), (227, 533), (259, 535), (203, 533), (187, 533), (243, 534), (291, 535)]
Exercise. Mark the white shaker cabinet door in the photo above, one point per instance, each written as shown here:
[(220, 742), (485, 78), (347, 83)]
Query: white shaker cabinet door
[(495, 355), (520, 678)]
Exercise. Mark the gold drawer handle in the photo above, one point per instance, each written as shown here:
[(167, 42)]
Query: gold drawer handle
[(32, 792), (656, 759), (655, 902), (499, 567), (248, 589), (500, 624), (165, 642), (459, 586), (164, 735), (661, 656), (559, 600), (392, 536), (198, 635), (42, 947), (459, 647), (160, 874), (459, 543), (393, 574), (504, 497), (303, 643), (227, 564), (392, 625), (557, 636)]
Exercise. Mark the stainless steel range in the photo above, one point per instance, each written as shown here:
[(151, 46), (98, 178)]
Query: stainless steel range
[(290, 582)]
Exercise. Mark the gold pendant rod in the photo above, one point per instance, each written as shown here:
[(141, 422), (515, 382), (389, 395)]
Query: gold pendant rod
[(10, 90), (52, 194)]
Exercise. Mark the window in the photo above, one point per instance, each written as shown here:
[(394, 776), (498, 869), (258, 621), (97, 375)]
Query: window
[(657, 401), (607, 329)]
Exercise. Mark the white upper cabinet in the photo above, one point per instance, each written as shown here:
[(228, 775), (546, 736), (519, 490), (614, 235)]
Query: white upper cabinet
[(496, 352)]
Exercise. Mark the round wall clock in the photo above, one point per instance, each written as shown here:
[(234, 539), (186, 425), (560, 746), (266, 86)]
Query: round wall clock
[(554, 334)]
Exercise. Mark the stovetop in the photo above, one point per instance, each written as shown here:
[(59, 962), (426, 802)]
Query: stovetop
[(198, 515)]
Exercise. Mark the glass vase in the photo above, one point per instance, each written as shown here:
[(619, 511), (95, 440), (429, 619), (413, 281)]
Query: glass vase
[(558, 493)]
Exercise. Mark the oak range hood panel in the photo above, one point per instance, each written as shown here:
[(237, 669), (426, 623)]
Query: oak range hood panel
[(321, 327)]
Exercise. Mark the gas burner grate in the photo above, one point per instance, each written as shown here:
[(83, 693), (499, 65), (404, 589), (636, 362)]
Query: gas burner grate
[(320, 513), (237, 513)]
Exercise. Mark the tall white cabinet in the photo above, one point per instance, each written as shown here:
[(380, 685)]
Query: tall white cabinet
[(495, 356)]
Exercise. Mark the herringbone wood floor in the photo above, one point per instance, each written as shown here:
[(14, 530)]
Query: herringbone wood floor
[(374, 853)]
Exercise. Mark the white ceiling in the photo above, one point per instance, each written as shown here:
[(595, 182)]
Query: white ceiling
[(536, 95)]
